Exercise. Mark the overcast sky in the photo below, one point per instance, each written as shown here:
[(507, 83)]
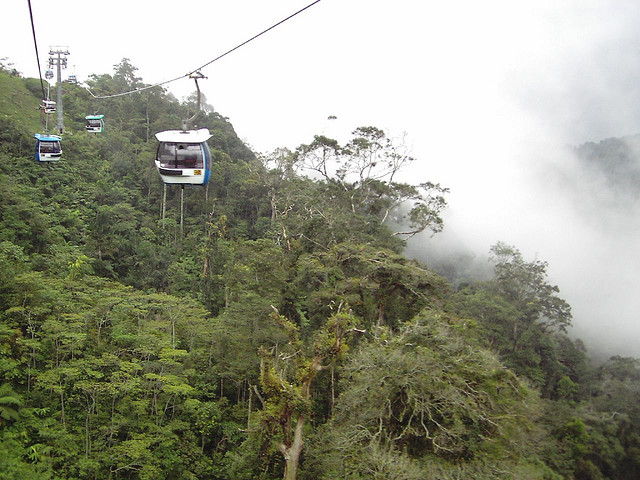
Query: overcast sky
[(488, 93)]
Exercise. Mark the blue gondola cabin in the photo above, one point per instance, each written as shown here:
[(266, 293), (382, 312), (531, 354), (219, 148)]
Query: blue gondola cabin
[(183, 157), (48, 148)]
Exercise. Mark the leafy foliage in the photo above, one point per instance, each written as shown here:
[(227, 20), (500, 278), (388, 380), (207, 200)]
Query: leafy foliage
[(362, 174), (284, 333), (428, 394)]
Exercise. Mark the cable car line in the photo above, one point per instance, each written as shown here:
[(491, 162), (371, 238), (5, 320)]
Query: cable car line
[(254, 37), (48, 147), (137, 90), (187, 148), (33, 29)]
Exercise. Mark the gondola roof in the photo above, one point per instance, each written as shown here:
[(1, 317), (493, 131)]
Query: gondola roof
[(47, 138), (189, 136)]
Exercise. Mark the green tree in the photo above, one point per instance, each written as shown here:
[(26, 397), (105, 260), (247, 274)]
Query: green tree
[(362, 174), (382, 287), (288, 394), (525, 286), (429, 403), (523, 319), (9, 403)]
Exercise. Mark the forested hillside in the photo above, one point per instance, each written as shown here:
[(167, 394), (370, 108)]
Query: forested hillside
[(605, 180), (616, 160), (280, 333)]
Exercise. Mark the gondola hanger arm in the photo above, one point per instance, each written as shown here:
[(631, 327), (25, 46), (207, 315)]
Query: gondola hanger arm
[(188, 122)]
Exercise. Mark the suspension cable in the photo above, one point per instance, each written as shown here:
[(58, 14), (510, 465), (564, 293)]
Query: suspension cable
[(33, 29), (254, 37), (137, 90)]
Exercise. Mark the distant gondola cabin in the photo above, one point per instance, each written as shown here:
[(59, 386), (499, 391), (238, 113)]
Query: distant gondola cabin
[(183, 157), (95, 123), (48, 148), (48, 106)]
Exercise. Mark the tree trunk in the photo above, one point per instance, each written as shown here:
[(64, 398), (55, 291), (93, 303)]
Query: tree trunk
[(514, 336), (181, 212), (274, 207), (333, 390), (292, 454), (381, 314), (249, 409), (62, 416)]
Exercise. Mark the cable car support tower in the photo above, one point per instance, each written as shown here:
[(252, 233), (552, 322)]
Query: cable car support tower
[(57, 58)]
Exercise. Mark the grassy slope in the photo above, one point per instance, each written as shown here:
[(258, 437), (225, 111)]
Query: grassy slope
[(19, 106), (14, 95)]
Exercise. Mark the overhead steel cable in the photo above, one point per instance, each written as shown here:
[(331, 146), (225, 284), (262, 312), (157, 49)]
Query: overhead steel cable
[(33, 29), (254, 37), (137, 90)]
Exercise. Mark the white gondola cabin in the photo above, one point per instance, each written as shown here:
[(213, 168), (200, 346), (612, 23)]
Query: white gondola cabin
[(48, 148), (48, 74), (95, 123), (48, 106), (183, 156)]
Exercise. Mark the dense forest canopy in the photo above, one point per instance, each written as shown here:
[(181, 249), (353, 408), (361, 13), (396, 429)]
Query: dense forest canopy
[(281, 333)]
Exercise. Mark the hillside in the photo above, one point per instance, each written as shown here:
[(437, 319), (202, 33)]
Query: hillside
[(602, 178), (280, 332), (616, 160)]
